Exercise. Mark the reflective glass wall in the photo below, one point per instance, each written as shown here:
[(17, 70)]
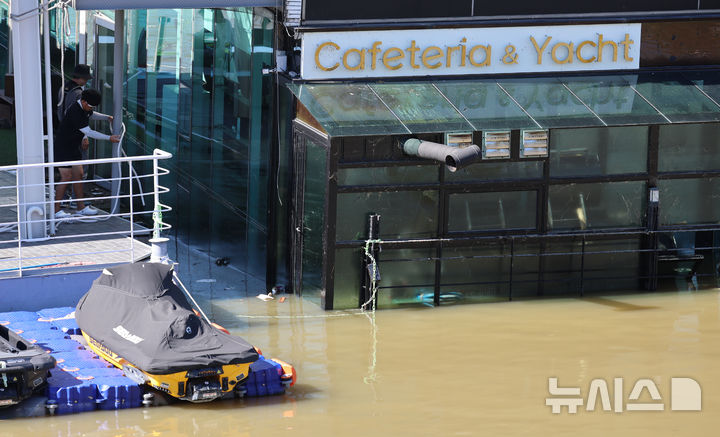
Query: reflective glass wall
[(194, 87), (582, 220)]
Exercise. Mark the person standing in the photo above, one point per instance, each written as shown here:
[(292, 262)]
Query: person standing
[(72, 89), (74, 127)]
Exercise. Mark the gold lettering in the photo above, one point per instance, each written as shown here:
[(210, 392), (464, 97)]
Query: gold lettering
[(449, 52), (578, 52), (317, 56), (388, 58), (486, 61), (360, 65), (540, 50), (601, 46), (570, 47), (412, 50), (426, 57), (462, 52), (626, 45), (373, 54)]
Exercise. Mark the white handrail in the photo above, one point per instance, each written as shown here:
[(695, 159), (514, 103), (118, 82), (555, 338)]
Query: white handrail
[(157, 154), (128, 218)]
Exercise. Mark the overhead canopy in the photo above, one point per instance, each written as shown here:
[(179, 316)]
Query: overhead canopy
[(376, 108), (171, 4)]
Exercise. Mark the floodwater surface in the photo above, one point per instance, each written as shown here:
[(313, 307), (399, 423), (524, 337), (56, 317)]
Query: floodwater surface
[(465, 370)]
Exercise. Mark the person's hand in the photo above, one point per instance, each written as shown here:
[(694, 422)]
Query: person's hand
[(114, 138), (110, 118), (85, 143)]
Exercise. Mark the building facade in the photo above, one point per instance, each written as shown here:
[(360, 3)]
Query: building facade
[(597, 136)]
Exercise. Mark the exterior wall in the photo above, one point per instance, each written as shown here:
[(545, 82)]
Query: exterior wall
[(194, 87)]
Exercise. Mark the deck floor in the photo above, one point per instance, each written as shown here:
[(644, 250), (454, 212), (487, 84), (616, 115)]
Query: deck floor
[(72, 247)]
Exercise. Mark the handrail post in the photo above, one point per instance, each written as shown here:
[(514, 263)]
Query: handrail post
[(158, 248), (132, 213)]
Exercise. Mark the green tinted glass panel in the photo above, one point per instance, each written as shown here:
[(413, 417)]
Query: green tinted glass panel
[(492, 211), (678, 99), (408, 277), (596, 206), (486, 105), (475, 274), (404, 214), (689, 147), (417, 174), (549, 102), (688, 201), (313, 218), (490, 171), (613, 99), (348, 273), (611, 265), (707, 81), (348, 109), (421, 107), (598, 151)]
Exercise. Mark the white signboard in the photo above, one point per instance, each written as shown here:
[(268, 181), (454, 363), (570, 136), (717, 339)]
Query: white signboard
[(470, 51)]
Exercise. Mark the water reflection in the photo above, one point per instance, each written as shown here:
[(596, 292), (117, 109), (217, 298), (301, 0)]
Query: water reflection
[(457, 370)]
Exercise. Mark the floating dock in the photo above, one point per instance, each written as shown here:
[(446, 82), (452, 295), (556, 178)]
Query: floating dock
[(81, 381)]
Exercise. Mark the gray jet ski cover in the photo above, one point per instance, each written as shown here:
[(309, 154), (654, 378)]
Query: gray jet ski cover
[(138, 312)]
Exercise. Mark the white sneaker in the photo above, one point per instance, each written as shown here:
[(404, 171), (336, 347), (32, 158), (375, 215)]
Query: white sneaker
[(62, 215), (88, 210)]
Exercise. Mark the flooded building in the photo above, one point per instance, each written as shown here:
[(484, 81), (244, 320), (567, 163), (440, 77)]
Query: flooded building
[(466, 151)]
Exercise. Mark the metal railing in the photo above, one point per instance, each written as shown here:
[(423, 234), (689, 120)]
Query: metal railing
[(31, 236)]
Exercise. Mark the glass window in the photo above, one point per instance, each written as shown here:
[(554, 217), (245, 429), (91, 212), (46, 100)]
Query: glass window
[(689, 201), (486, 105), (598, 151), (492, 211), (614, 100), (348, 109), (407, 276), (475, 274), (313, 218), (596, 206), (707, 81), (491, 171), (421, 107), (398, 175), (561, 268), (677, 98), (403, 214), (689, 147), (611, 265), (348, 274), (549, 102)]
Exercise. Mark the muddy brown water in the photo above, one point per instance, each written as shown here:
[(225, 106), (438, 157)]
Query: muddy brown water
[(461, 370)]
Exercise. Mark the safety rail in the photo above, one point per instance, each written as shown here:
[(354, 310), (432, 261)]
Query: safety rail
[(100, 238)]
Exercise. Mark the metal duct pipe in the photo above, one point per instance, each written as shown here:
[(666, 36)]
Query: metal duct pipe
[(453, 157)]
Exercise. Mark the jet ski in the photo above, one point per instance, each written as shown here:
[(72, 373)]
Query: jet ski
[(137, 318), (23, 367)]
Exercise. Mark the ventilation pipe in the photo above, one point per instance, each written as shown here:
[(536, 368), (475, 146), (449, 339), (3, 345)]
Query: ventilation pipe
[(453, 157)]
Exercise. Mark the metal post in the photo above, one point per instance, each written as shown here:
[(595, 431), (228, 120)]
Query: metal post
[(132, 213), (158, 249), (370, 271), (49, 108), (29, 126), (118, 67)]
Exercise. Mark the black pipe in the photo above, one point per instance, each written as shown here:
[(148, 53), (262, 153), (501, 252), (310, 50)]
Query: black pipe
[(453, 157)]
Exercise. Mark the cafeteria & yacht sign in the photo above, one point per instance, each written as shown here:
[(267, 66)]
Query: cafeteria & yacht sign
[(441, 52)]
